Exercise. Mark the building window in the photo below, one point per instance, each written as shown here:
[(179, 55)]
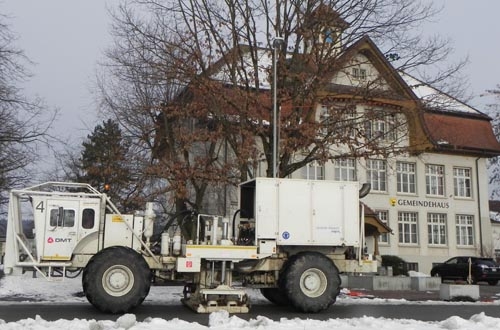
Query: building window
[(359, 73), (313, 171), (376, 173), (384, 217), (462, 182), (436, 228), (408, 227), (434, 180), (465, 230), (344, 170), (381, 126), (325, 120), (405, 173), (412, 266)]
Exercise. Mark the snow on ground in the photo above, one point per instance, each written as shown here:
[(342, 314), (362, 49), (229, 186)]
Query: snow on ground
[(222, 320), (26, 289)]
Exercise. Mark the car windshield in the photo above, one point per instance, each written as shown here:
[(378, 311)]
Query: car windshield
[(487, 262)]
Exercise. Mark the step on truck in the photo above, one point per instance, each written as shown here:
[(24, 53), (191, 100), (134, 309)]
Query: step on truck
[(289, 238)]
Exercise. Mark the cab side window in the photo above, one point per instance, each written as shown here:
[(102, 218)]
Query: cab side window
[(62, 217), (88, 218)]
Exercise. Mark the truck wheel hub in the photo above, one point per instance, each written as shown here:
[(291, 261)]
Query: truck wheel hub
[(313, 282), (118, 281)]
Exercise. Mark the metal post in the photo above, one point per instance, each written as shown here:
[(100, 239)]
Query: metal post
[(278, 41), (479, 213)]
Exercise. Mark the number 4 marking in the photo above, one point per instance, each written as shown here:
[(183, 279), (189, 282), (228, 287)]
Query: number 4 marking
[(40, 207)]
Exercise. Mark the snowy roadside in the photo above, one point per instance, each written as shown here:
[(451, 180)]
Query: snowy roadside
[(26, 289), (222, 320)]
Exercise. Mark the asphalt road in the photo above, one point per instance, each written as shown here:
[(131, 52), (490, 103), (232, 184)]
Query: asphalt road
[(425, 312)]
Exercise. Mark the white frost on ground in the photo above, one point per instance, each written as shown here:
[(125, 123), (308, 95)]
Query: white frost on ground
[(27, 289)]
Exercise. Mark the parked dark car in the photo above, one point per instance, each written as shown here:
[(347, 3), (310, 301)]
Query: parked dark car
[(457, 268)]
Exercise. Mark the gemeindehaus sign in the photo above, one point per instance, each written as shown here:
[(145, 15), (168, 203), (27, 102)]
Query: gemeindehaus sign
[(419, 203)]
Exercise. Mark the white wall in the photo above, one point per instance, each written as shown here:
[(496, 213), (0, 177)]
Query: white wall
[(423, 253)]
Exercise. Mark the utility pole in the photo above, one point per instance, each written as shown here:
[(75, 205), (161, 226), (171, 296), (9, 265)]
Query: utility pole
[(277, 43)]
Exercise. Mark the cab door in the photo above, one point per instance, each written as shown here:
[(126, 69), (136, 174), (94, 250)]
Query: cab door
[(88, 227), (60, 229)]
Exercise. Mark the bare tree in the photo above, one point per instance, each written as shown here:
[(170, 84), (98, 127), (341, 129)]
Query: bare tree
[(178, 147), (25, 122), (190, 78)]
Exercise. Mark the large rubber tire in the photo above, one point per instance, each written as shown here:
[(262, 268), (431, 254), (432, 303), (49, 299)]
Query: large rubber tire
[(311, 282), (116, 280), (276, 296)]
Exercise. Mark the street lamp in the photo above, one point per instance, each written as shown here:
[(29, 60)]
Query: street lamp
[(277, 43)]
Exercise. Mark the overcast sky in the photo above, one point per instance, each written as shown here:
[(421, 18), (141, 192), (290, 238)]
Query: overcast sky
[(66, 38)]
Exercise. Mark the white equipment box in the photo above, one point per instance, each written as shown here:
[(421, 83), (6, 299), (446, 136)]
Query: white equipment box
[(303, 212)]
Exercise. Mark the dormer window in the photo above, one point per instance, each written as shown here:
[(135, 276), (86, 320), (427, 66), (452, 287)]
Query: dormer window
[(381, 127), (359, 73)]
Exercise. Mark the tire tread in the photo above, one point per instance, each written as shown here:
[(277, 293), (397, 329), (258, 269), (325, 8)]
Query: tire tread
[(92, 280), (299, 263)]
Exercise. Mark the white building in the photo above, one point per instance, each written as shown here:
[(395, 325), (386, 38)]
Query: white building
[(434, 197)]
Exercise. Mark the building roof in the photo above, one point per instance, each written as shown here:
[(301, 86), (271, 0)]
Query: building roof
[(434, 99), (451, 124), (455, 133), (445, 123), (372, 220)]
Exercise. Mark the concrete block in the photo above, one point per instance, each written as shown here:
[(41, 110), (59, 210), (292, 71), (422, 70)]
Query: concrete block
[(381, 271), (344, 281), (459, 292), (391, 283), (425, 283), (361, 282)]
